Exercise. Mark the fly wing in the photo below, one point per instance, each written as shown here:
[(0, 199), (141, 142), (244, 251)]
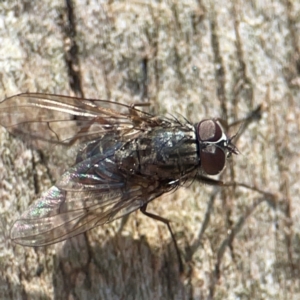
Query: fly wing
[(89, 194), (58, 215), (44, 119)]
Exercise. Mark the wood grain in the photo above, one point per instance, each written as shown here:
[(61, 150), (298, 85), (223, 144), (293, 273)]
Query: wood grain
[(195, 58)]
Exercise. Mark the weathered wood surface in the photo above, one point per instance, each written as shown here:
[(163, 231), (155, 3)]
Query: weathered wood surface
[(202, 59)]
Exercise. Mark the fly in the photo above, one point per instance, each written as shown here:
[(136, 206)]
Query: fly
[(119, 160)]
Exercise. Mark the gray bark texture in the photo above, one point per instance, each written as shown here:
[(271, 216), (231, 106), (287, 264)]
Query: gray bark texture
[(193, 58)]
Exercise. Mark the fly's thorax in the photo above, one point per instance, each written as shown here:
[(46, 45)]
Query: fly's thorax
[(162, 153)]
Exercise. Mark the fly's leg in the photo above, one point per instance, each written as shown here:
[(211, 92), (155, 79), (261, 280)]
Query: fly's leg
[(252, 116), (207, 180), (243, 123), (167, 222)]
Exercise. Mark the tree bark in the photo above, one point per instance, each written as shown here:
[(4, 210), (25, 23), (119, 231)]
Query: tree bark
[(198, 59)]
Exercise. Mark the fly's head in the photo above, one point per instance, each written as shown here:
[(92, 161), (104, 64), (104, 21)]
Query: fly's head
[(214, 146)]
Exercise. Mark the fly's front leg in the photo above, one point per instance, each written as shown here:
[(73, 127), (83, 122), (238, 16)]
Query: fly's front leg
[(243, 123), (252, 116), (167, 222)]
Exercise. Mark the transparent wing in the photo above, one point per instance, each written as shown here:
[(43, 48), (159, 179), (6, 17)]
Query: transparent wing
[(44, 119), (78, 203)]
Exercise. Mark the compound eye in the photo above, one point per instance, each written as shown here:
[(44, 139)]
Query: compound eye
[(212, 159), (209, 131)]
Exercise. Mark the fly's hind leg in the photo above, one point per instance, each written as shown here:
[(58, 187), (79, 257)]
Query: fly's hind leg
[(167, 222)]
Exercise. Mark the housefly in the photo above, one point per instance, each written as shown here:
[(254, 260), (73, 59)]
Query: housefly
[(119, 159)]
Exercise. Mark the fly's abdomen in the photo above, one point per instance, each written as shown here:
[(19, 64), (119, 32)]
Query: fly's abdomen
[(162, 153)]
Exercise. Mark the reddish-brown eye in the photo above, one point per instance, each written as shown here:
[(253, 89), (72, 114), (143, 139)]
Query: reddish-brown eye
[(209, 131), (212, 160)]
